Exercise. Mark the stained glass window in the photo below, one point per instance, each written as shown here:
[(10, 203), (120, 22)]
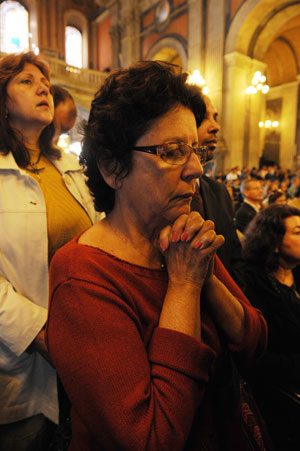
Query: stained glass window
[(73, 46), (14, 31)]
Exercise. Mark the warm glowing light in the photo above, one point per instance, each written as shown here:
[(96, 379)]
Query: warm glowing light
[(258, 84), (268, 124), (265, 89), (251, 90), (196, 78), (256, 77)]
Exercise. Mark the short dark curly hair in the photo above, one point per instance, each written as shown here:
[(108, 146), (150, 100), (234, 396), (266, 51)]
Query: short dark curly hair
[(264, 235), (123, 109)]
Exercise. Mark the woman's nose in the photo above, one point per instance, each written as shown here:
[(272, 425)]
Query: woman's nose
[(42, 89), (193, 168)]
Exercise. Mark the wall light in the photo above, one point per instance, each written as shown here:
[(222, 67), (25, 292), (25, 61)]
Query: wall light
[(268, 124), (196, 79), (258, 84)]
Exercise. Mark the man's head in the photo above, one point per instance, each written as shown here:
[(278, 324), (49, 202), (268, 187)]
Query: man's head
[(65, 111), (252, 191), (209, 127)]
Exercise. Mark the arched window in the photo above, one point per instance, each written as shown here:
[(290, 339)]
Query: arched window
[(14, 30), (73, 46)]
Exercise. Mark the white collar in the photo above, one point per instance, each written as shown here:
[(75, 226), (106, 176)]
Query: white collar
[(255, 206), (67, 162)]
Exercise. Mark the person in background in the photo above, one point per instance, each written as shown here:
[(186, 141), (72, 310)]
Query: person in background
[(144, 323), (251, 190), (233, 174), (295, 201), (276, 197), (65, 111), (292, 189), (44, 202), (271, 249), (213, 201)]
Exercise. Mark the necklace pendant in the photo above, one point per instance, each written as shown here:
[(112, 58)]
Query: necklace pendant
[(35, 170)]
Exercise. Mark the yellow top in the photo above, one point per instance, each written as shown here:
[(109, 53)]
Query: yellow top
[(65, 216)]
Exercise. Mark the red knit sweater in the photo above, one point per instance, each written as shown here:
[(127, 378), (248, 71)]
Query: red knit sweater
[(133, 385)]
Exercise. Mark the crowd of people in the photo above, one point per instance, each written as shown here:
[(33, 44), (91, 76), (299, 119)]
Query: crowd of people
[(158, 303), (279, 185)]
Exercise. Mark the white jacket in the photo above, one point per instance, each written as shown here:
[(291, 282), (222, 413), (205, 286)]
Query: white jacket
[(27, 380)]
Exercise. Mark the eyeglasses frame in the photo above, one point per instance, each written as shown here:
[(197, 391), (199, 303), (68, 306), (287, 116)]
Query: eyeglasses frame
[(160, 150)]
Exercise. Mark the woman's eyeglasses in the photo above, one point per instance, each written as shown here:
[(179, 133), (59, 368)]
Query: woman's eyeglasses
[(175, 152)]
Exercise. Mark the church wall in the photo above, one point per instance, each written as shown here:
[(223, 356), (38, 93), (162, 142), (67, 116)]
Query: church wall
[(234, 6), (178, 27), (104, 45)]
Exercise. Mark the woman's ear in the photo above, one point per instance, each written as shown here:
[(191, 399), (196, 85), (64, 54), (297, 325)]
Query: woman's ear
[(110, 178)]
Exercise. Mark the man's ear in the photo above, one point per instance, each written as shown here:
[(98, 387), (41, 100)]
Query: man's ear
[(110, 178)]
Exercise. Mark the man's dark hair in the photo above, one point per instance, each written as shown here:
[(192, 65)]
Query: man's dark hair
[(264, 235), (60, 94), (123, 109)]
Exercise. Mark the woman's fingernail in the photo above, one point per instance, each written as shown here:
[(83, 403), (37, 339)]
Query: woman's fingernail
[(184, 236), (163, 245), (175, 237), (199, 245)]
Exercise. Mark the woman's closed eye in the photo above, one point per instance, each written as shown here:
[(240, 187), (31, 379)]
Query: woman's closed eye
[(26, 81)]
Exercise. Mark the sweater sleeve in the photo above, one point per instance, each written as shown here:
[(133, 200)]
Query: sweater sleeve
[(128, 396)]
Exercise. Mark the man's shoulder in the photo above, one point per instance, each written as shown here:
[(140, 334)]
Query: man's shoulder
[(207, 182), (245, 207)]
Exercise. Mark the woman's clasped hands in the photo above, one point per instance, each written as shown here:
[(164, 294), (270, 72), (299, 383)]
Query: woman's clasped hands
[(189, 246)]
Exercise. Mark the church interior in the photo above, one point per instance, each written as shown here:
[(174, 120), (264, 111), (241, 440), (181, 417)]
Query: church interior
[(244, 53)]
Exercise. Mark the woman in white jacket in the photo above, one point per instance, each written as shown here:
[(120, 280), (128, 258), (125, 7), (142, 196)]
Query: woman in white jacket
[(44, 202)]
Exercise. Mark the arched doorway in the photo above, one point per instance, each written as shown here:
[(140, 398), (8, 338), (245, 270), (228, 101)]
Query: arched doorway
[(170, 50), (263, 37)]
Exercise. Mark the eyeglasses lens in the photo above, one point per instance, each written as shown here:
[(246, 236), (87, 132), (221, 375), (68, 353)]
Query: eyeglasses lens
[(178, 153)]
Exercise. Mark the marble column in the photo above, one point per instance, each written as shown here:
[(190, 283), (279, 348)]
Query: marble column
[(195, 36), (130, 32), (237, 68), (214, 67)]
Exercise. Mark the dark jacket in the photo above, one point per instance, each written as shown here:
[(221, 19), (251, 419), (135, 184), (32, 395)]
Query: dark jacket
[(281, 308), (244, 214), (275, 379), (217, 206)]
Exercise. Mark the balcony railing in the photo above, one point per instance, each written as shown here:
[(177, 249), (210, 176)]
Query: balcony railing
[(86, 80)]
